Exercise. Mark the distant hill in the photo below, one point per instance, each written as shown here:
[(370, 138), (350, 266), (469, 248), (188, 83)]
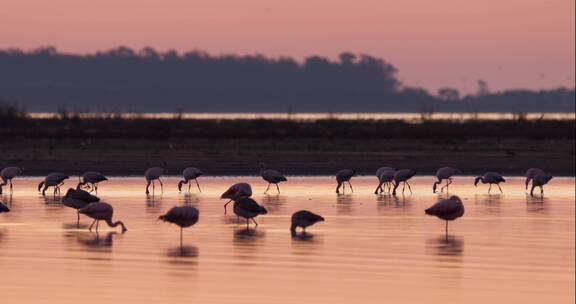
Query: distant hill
[(122, 79)]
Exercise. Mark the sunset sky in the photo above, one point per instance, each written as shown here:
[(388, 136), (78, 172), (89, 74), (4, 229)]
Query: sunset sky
[(508, 43)]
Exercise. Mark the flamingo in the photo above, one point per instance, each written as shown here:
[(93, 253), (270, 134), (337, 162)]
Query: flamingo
[(92, 178), (54, 179), (78, 199), (531, 173), (385, 177), (402, 176), (271, 176), (248, 209), (539, 181), (445, 173), (7, 175), (236, 192), (183, 217), (189, 174), (101, 211), (344, 175), (154, 173), (490, 178), (304, 218), (447, 209)]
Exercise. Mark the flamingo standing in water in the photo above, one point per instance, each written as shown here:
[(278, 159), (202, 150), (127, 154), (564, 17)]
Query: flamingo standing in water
[(152, 174), (304, 218), (447, 209), (402, 176), (249, 209), (490, 178), (539, 181), (344, 175), (7, 175), (92, 178), (183, 217), (236, 192), (101, 211), (272, 177), (531, 173), (54, 179), (189, 174), (445, 173), (78, 199), (385, 177)]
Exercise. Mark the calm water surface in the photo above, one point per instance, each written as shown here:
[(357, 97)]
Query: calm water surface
[(371, 249)]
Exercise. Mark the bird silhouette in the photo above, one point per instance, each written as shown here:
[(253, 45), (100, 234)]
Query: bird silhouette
[(447, 209), (152, 174), (182, 216), (344, 175), (54, 179), (402, 176), (78, 199), (7, 175), (444, 173), (91, 178), (385, 177), (531, 173), (304, 218), (189, 174), (101, 211), (249, 209), (491, 178), (236, 192), (539, 181), (272, 177)]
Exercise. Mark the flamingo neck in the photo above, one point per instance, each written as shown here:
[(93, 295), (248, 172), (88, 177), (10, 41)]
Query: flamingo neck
[(114, 224)]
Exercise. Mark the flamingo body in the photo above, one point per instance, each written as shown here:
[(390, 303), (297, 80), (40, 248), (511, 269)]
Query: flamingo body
[(249, 209), (101, 211), (152, 174), (385, 176), (54, 179), (447, 209), (304, 218), (344, 175), (491, 178), (444, 173), (8, 174), (402, 176), (531, 173), (272, 177), (190, 174)]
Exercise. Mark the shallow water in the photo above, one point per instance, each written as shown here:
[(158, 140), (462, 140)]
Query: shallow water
[(371, 249)]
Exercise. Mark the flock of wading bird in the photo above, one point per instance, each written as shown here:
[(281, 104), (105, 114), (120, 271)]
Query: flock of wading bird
[(81, 199)]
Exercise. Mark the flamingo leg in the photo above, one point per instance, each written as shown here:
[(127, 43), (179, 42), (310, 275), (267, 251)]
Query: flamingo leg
[(267, 188), (180, 237), (489, 188), (97, 222), (351, 189), (446, 229), (161, 186), (78, 219), (197, 184), (92, 225), (147, 186), (189, 186), (277, 188), (253, 220), (409, 188), (403, 187), (338, 188), (247, 223), (542, 190), (532, 190), (499, 188)]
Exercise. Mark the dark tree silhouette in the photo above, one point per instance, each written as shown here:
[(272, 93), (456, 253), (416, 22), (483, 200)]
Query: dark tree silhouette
[(122, 79)]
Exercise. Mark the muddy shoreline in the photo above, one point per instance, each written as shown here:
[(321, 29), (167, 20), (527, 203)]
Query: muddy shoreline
[(321, 148)]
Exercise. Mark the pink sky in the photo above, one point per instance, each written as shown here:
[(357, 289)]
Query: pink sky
[(434, 43)]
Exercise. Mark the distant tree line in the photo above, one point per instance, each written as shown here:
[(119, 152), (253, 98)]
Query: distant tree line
[(122, 79)]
